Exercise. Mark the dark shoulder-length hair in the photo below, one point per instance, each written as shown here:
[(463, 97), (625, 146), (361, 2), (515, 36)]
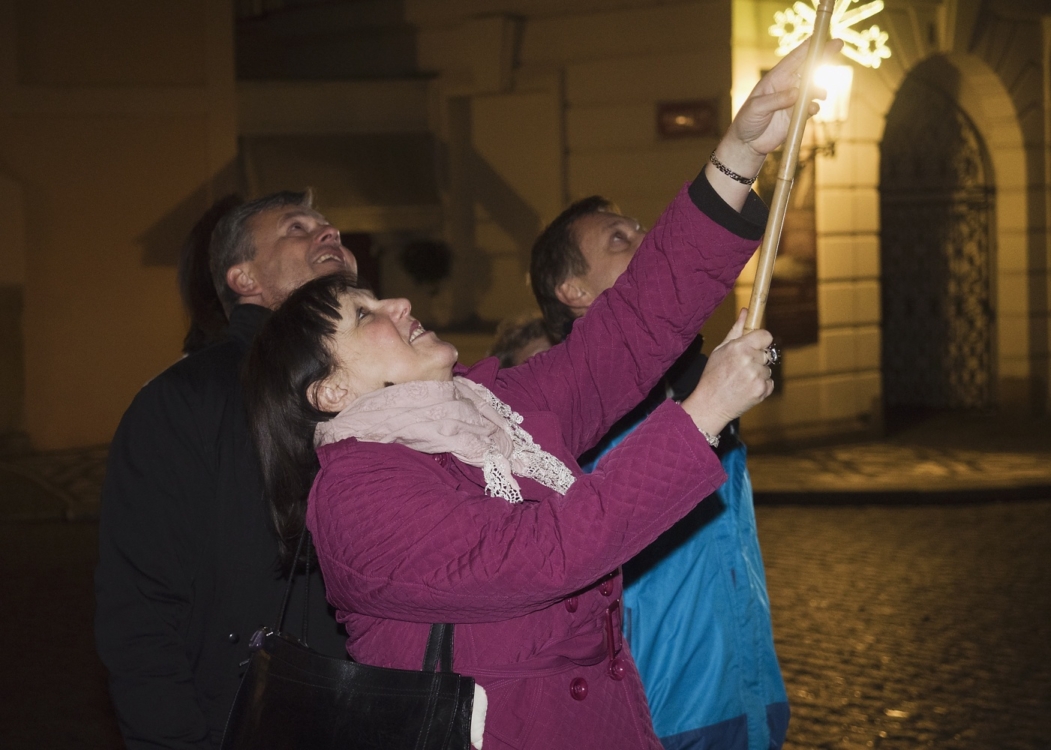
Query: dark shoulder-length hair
[(292, 354)]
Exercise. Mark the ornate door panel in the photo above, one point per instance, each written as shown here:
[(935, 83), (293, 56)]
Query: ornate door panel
[(937, 201)]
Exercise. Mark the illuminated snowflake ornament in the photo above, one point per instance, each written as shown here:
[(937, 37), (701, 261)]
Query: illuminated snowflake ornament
[(868, 47)]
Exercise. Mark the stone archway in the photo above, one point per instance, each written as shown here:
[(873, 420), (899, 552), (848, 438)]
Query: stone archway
[(937, 200)]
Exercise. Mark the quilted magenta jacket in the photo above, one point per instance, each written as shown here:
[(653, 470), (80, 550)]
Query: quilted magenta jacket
[(406, 539)]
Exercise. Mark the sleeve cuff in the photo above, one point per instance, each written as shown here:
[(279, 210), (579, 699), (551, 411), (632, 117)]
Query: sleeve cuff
[(750, 223)]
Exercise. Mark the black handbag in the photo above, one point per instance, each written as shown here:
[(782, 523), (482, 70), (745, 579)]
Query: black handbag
[(293, 698)]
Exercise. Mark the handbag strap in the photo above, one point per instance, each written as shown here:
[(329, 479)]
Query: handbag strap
[(439, 648), (439, 642), (288, 588)]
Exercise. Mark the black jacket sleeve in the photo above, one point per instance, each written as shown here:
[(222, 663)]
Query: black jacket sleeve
[(149, 546)]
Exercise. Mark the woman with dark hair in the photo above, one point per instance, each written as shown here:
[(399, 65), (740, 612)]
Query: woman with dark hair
[(440, 493)]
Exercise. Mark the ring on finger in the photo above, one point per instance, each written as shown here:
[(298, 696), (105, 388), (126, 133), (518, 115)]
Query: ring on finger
[(771, 355)]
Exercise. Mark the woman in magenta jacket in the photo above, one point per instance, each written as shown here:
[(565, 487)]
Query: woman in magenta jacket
[(451, 494)]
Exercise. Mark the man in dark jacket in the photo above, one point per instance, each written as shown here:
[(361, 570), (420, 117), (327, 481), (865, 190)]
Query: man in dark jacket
[(187, 553)]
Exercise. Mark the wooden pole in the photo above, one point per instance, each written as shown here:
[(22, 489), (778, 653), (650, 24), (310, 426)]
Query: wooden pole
[(787, 169)]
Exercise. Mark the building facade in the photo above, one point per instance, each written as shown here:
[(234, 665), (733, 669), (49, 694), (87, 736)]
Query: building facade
[(114, 118), (441, 135)]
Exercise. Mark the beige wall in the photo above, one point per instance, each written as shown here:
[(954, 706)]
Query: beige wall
[(114, 117), (561, 104)]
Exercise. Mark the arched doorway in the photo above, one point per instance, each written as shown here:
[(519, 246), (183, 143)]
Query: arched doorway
[(937, 202)]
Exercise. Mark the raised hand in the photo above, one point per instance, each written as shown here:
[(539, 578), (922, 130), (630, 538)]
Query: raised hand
[(735, 379), (762, 123)]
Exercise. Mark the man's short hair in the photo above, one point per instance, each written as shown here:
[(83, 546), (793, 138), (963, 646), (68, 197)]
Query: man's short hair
[(231, 241), (555, 257)]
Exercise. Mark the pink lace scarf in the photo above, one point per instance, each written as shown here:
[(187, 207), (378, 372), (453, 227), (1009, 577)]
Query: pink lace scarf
[(459, 417)]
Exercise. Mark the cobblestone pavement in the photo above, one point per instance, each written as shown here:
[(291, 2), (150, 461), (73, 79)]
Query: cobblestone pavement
[(884, 469), (913, 627), (951, 457)]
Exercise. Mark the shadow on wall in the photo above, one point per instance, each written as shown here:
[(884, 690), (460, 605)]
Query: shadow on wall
[(478, 192), (162, 242), (506, 207)]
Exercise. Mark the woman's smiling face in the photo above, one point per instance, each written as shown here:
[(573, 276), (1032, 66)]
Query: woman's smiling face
[(378, 343)]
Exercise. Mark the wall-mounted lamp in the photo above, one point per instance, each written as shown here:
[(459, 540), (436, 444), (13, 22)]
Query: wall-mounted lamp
[(837, 81)]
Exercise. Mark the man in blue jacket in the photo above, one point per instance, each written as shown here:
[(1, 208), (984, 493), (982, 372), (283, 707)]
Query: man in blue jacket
[(697, 616)]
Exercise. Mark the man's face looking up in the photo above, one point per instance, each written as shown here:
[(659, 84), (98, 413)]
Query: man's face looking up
[(608, 242), (293, 244)]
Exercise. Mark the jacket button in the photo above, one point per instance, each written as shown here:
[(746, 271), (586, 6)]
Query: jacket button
[(572, 603), (233, 637), (617, 670), (606, 588), (578, 688)]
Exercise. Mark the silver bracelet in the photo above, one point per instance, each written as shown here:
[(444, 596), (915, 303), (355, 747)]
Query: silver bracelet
[(730, 173), (713, 440)]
